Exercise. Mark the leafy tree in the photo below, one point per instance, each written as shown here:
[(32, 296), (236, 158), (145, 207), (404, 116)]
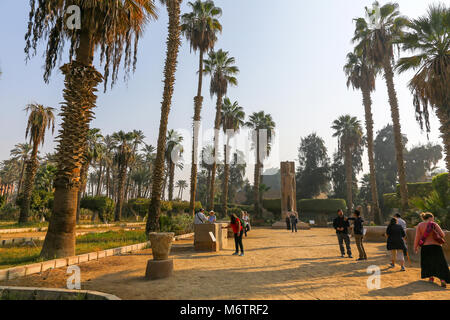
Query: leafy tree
[(421, 161), (313, 174)]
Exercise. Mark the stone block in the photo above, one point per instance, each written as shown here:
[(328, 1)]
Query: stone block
[(33, 268), (16, 272), (375, 234), (92, 256), (101, 254), (109, 252), (59, 263), (159, 269), (83, 258), (4, 274), (50, 264), (202, 237), (72, 260)]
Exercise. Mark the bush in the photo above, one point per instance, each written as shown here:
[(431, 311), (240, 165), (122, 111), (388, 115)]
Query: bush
[(272, 205), (140, 206), (324, 206), (417, 189), (391, 200), (179, 224), (442, 187), (2, 201), (41, 203), (104, 206)]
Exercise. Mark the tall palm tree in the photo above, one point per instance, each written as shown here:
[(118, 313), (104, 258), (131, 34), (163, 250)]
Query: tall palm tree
[(260, 123), (138, 139), (173, 46), (222, 70), (232, 118), (348, 130), (361, 75), (123, 157), (174, 151), (200, 27), (108, 157), (21, 152), (375, 40), (429, 39), (181, 185), (39, 120), (115, 28)]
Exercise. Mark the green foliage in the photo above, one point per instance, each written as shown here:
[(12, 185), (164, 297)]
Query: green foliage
[(179, 224), (417, 189), (41, 203), (104, 206), (2, 201), (326, 206), (140, 206), (391, 200), (442, 187), (272, 205)]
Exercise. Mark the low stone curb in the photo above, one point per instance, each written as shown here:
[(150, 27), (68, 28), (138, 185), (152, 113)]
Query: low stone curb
[(33, 293), (81, 226), (21, 271)]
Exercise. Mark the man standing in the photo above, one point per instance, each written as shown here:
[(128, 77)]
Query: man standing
[(341, 224), (294, 220), (200, 217), (402, 223), (358, 230)]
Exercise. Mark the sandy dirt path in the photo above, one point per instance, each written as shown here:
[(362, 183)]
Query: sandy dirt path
[(277, 265)]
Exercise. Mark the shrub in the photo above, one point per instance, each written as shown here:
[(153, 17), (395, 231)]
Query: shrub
[(325, 206), (2, 201), (417, 189), (140, 206), (104, 206), (41, 203), (272, 205), (442, 187), (179, 224), (391, 200)]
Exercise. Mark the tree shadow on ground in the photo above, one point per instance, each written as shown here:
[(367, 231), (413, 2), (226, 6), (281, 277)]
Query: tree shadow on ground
[(406, 289)]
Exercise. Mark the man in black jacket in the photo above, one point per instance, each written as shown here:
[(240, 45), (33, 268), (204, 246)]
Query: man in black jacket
[(358, 230), (341, 224)]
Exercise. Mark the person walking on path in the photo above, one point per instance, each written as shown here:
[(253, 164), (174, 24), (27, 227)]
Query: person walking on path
[(395, 243), (358, 230), (245, 222), (402, 223), (341, 224), (238, 231), (429, 238), (294, 220), (200, 217)]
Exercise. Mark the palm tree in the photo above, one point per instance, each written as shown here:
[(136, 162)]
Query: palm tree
[(376, 42), (174, 151), (108, 157), (222, 70), (200, 27), (173, 46), (348, 130), (112, 26), (181, 185), (361, 75), (40, 119), (232, 117), (260, 123), (21, 152), (123, 157), (429, 38)]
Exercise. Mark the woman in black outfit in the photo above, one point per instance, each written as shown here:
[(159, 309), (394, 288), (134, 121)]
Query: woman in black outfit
[(396, 243)]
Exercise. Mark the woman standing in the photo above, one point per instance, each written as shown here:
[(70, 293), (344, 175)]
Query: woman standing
[(396, 243), (238, 231), (430, 237)]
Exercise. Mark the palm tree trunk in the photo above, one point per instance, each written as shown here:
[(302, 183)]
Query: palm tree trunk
[(120, 192), (444, 119), (171, 179), (19, 187), (108, 180), (198, 100), (173, 46), (367, 101), (225, 181), (257, 179), (208, 186), (99, 182), (81, 80), (349, 179), (393, 101), (216, 151), (31, 168)]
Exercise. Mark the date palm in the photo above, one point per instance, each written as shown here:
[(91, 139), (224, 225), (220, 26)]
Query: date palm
[(181, 185), (200, 27), (375, 40), (114, 27), (21, 152), (361, 75), (122, 158), (261, 124), (174, 151), (39, 120), (220, 66), (348, 130), (429, 39), (232, 118), (173, 47)]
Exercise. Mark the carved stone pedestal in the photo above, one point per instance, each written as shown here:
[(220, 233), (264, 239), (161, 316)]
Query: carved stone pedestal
[(159, 269), (161, 266)]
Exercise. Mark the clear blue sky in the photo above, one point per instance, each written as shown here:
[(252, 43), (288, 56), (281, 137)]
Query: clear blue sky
[(290, 54)]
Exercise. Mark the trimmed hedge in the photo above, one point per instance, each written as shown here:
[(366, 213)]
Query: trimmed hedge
[(272, 205), (442, 186), (327, 206), (140, 206), (417, 189), (391, 200), (104, 206)]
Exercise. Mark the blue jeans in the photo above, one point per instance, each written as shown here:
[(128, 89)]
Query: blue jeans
[(343, 237), (293, 226)]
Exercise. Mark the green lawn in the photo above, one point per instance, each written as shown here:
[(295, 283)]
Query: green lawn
[(15, 225), (11, 256)]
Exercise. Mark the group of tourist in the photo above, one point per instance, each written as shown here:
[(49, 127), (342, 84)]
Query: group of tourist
[(429, 239), (240, 226)]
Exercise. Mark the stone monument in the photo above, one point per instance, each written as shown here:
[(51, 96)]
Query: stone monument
[(161, 266), (288, 195), (210, 237)]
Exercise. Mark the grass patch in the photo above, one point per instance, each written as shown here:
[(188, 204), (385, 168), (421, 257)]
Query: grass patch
[(16, 225), (11, 256)]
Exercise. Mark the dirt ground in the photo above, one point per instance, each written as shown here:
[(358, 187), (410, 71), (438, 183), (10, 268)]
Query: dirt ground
[(277, 265)]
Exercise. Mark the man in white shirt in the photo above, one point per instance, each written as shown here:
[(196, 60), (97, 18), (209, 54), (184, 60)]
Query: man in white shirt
[(200, 217), (402, 222)]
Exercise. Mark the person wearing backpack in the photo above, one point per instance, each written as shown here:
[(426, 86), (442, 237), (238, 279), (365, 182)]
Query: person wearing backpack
[(430, 238)]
